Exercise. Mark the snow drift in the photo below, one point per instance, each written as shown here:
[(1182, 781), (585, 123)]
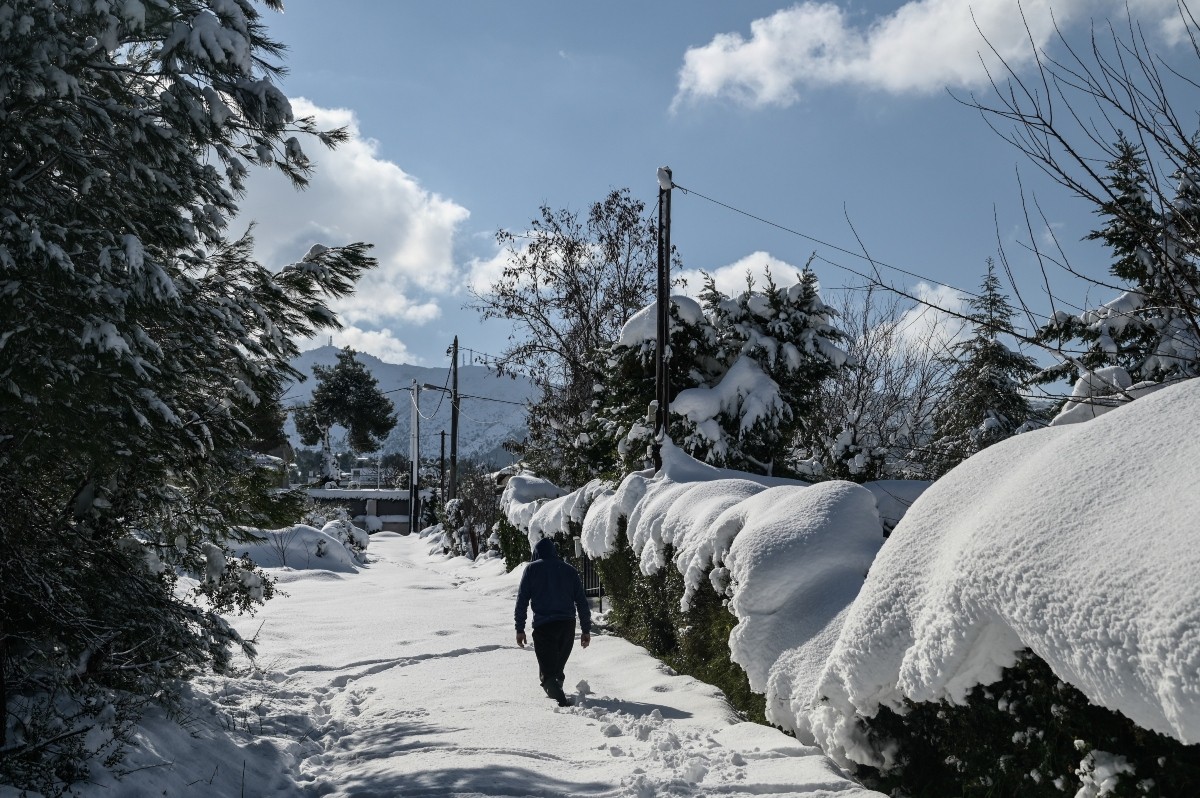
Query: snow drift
[(338, 546)]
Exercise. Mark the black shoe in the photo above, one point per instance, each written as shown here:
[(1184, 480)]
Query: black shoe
[(561, 698)]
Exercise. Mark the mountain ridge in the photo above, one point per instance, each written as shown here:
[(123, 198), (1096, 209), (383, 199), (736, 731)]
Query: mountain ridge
[(491, 407)]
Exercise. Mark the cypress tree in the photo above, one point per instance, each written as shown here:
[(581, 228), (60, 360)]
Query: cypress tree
[(983, 402)]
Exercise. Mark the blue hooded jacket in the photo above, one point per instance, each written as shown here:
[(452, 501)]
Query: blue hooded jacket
[(554, 588)]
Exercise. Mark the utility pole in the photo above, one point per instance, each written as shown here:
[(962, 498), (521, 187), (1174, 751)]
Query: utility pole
[(414, 454), (442, 470), (454, 420), (661, 388)]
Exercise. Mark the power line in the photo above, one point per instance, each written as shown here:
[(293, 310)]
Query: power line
[(852, 253), (490, 399)]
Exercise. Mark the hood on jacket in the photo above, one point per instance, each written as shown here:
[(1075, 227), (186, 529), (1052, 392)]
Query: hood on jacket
[(544, 550)]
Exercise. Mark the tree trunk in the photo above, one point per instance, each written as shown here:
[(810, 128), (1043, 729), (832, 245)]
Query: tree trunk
[(3, 677)]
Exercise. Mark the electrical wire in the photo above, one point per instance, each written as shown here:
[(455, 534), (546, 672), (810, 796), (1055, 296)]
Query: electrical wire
[(873, 261), (489, 399)]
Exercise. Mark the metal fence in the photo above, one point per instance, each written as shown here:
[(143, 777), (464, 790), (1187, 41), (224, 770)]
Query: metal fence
[(591, 579)]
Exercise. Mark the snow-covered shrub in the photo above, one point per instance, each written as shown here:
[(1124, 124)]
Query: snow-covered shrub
[(990, 562), (1029, 734), (354, 540), (513, 543), (646, 609)]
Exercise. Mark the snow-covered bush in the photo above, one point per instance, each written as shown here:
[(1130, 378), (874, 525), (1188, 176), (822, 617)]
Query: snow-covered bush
[(1041, 542), (1028, 734), (355, 540), (303, 546), (513, 543)]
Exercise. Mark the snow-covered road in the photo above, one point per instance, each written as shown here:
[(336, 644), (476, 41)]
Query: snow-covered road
[(404, 680)]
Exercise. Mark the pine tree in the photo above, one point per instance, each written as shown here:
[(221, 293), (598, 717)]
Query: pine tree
[(775, 347), (346, 395), (618, 433), (138, 340), (1152, 330), (983, 403)]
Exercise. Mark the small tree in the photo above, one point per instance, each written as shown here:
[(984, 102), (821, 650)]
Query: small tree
[(983, 403), (569, 286), (775, 347), (346, 395), (873, 418)]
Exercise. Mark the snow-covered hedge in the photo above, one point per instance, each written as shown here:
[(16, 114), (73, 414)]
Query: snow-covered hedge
[(790, 556), (1078, 542)]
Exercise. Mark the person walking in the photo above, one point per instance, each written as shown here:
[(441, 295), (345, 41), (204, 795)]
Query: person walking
[(555, 590)]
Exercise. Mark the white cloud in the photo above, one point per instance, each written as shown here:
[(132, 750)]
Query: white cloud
[(355, 195), (929, 324), (382, 343), (482, 273), (731, 279), (923, 46)]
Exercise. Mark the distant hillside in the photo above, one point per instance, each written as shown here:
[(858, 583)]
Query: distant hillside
[(482, 426)]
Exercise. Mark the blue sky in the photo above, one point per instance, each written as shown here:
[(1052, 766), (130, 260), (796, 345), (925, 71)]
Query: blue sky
[(469, 115)]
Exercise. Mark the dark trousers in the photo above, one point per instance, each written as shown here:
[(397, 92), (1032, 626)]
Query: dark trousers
[(552, 643)]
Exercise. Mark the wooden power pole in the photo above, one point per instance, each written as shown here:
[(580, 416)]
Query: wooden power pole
[(454, 420), (661, 387)]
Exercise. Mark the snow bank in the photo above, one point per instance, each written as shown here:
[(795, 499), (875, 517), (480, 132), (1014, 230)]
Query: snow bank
[(1077, 541), (357, 493), (303, 547), (1098, 392)]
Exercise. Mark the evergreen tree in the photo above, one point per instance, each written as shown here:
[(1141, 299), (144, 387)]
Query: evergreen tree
[(775, 347), (137, 341), (1152, 330), (346, 395), (618, 432), (983, 403)]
